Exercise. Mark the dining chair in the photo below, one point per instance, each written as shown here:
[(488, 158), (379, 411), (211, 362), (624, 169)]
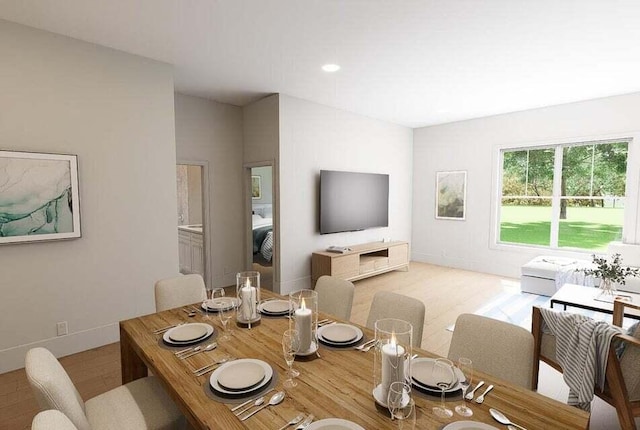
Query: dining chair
[(622, 375), (335, 296), (179, 291), (386, 304), (497, 348), (52, 419), (141, 404)]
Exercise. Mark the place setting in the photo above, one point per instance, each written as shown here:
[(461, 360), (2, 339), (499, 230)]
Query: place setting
[(339, 335), (187, 335), (239, 380)]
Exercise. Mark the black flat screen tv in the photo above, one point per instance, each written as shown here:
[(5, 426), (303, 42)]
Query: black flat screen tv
[(352, 201)]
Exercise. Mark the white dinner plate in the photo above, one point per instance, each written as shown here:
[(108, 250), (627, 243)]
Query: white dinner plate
[(171, 337), (334, 424), (213, 379), (328, 339), (219, 303), (239, 376), (421, 372), (468, 425), (338, 333), (274, 307)]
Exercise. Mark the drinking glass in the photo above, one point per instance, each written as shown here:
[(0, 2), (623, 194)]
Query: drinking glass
[(225, 313), (443, 376), (399, 400), (466, 367), (290, 346)]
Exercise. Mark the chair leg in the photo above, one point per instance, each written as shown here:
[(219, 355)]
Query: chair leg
[(618, 392), (536, 330)]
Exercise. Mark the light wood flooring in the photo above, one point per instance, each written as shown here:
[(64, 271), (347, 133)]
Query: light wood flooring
[(446, 293)]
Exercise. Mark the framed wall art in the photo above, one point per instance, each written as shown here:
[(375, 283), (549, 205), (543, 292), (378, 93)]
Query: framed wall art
[(256, 187), (451, 195), (39, 198)]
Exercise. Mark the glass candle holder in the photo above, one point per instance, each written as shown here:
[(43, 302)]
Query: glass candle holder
[(303, 313), (392, 362), (248, 291)]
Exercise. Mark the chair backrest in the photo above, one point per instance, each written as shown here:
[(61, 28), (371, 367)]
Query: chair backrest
[(498, 348), (179, 291), (386, 304), (52, 420), (53, 388), (335, 296)]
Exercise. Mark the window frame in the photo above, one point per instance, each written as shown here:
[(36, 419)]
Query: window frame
[(630, 226)]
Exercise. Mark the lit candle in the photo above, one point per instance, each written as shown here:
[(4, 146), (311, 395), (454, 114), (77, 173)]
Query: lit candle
[(392, 365), (303, 325), (248, 294)]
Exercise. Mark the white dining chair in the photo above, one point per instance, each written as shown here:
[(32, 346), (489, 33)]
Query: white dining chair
[(386, 304), (497, 348), (142, 404), (52, 419), (335, 296), (179, 291)]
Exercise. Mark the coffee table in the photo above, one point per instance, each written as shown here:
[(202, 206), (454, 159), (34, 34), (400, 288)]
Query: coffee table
[(579, 296)]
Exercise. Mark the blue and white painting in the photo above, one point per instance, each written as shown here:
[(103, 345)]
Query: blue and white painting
[(38, 197)]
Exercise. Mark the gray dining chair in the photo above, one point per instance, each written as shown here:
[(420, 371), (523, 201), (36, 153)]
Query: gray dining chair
[(335, 296), (386, 304), (52, 419), (142, 404), (496, 347), (179, 291)]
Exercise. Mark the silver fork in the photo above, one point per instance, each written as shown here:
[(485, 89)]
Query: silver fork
[(306, 423), (364, 345), (208, 368), (480, 398), (469, 396)]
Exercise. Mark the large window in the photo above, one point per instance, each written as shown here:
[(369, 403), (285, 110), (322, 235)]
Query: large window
[(564, 196)]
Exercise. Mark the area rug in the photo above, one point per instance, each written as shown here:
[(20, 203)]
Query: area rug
[(515, 308)]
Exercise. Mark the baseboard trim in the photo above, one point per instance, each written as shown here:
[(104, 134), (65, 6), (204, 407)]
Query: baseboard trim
[(13, 358)]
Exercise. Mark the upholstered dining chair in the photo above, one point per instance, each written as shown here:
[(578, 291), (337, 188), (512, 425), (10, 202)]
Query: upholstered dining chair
[(179, 291), (141, 404), (386, 304), (335, 296), (496, 347), (52, 419), (622, 375)]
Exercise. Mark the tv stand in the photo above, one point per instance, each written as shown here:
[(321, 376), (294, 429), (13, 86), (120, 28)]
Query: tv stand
[(362, 261)]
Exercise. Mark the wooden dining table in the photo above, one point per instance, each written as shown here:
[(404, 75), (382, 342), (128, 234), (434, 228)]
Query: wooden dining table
[(336, 384)]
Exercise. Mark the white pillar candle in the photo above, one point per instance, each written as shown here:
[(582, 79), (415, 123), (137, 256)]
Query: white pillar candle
[(303, 326), (392, 366), (248, 294)]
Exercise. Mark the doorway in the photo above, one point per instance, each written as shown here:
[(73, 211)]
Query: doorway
[(192, 219), (263, 240)]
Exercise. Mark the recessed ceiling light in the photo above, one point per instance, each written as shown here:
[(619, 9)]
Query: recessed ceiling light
[(330, 68)]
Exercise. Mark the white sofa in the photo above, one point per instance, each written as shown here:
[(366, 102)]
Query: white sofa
[(544, 275)]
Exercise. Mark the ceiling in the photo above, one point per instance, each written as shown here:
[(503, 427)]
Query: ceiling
[(414, 63)]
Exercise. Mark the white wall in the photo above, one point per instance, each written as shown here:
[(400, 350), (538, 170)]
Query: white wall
[(474, 146), (315, 137), (115, 111), (211, 133)]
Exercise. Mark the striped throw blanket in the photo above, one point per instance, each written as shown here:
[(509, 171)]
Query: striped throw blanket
[(582, 347)]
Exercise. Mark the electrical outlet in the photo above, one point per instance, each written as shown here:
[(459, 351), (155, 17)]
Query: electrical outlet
[(62, 328)]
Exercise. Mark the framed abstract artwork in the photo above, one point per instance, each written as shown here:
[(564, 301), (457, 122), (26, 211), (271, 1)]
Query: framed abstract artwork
[(256, 187), (39, 198), (451, 195)]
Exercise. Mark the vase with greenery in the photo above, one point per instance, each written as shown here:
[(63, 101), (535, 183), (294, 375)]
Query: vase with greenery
[(610, 272)]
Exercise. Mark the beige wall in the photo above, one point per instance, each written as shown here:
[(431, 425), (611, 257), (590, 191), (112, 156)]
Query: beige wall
[(115, 111), (210, 133)]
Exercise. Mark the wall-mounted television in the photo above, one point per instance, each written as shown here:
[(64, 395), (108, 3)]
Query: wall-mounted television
[(351, 201)]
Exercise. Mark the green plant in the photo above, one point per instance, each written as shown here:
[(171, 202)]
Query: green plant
[(610, 270)]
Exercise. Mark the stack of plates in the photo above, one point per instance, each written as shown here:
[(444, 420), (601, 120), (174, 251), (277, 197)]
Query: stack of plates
[(424, 379), (220, 303), (187, 334), (241, 377), (339, 335), (276, 308)]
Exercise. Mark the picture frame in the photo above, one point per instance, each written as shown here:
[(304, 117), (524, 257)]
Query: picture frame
[(256, 187), (39, 197), (451, 195)]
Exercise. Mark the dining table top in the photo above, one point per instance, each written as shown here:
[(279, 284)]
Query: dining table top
[(335, 383)]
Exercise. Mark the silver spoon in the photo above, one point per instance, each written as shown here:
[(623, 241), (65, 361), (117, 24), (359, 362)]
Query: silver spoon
[(469, 396), (199, 349), (277, 398), (190, 312), (502, 419), (259, 401), (293, 422)]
